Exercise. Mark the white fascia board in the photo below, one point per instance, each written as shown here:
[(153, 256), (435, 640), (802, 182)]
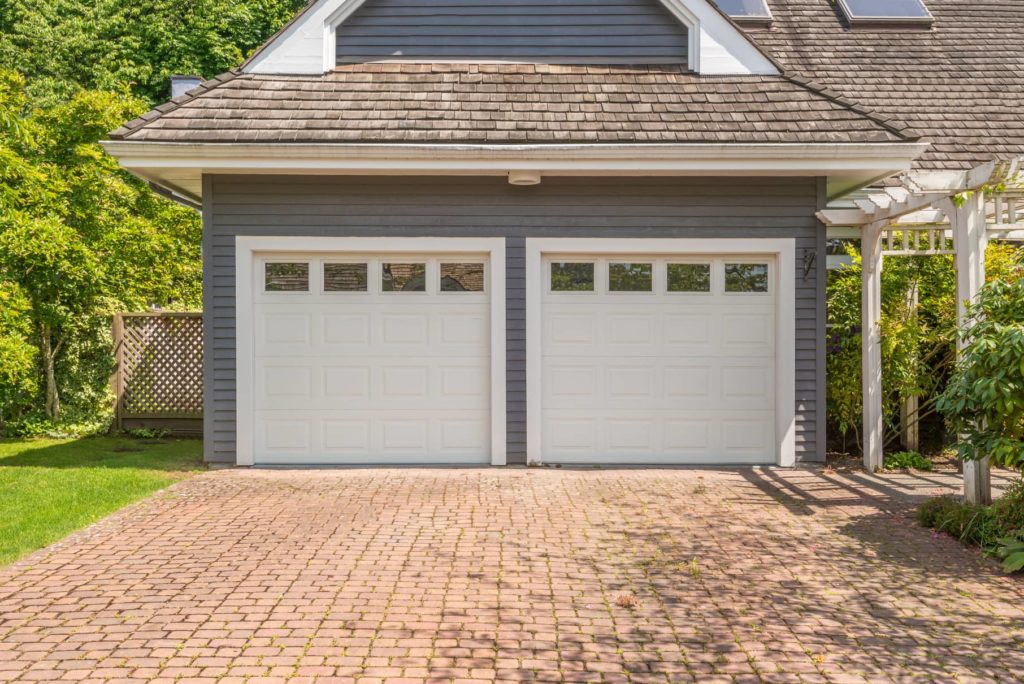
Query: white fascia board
[(749, 159), (717, 46)]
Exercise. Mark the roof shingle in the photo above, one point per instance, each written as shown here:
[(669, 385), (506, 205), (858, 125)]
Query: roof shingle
[(960, 84), (512, 104)]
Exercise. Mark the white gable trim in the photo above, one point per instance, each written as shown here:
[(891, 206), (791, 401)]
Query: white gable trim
[(307, 46), (717, 46)]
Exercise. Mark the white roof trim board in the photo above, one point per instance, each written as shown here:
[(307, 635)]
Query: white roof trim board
[(180, 166), (306, 46)]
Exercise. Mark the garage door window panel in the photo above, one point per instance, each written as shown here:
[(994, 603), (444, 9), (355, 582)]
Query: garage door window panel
[(286, 276), (746, 278), (462, 277), (403, 277), (572, 276), (630, 277), (346, 277), (689, 278)]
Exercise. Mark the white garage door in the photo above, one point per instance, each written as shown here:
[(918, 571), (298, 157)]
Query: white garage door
[(371, 359), (658, 360)]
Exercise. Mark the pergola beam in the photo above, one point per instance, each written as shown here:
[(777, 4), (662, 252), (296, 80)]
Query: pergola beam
[(895, 210), (923, 190)]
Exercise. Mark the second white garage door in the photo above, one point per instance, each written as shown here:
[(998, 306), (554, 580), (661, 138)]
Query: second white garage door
[(658, 360), (371, 359)]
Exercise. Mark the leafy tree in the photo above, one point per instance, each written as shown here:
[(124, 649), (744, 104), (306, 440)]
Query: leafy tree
[(80, 239), (69, 45), (984, 401)]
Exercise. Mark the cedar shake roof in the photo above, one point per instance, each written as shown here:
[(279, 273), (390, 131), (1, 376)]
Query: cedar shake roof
[(960, 84), (510, 104)]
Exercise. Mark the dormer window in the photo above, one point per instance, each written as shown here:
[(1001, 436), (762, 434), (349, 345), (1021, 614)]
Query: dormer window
[(747, 13), (886, 12)]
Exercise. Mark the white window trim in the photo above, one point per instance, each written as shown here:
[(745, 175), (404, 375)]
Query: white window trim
[(247, 249), (784, 251)]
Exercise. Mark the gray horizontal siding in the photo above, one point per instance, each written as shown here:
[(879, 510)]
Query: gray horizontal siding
[(490, 207), (523, 30)]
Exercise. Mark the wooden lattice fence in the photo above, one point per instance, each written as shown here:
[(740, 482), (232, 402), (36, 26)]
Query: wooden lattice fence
[(158, 377)]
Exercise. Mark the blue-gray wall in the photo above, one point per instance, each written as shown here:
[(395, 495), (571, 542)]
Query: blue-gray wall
[(606, 31), (490, 207)]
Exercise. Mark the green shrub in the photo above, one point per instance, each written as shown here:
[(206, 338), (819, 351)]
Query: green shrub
[(973, 525), (932, 511), (39, 426), (970, 524), (998, 529), (984, 401), (1008, 509), (902, 460)]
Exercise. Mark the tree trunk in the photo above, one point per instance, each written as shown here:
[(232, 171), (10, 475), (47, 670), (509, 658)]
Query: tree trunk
[(49, 355)]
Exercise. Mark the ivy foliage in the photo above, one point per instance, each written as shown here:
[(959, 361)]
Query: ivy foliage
[(984, 401)]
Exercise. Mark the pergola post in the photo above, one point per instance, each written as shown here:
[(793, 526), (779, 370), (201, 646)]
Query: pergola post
[(969, 241), (871, 345)]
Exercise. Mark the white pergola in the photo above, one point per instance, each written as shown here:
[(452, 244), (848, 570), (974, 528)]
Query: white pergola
[(929, 212)]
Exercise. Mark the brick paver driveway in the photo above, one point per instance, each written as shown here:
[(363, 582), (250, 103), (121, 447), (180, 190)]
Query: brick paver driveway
[(520, 575)]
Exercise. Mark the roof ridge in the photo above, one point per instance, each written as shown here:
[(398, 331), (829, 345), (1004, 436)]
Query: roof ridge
[(894, 126), (174, 103)]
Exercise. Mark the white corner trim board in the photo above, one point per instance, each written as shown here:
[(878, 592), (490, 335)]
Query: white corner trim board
[(307, 46), (248, 250), (782, 250)]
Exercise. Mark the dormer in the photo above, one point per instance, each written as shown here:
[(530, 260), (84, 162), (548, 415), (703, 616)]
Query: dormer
[(694, 33)]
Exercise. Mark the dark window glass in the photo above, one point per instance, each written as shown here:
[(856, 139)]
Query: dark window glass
[(572, 277), (462, 277), (630, 277), (744, 8), (746, 277), (286, 277), (689, 277), (404, 277), (345, 277)]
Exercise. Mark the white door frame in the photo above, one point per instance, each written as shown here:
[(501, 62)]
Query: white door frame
[(248, 248), (784, 251)]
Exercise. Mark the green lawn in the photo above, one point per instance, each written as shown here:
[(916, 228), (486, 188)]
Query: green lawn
[(52, 487)]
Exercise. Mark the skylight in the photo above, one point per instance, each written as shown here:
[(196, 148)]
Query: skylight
[(886, 12), (745, 10)]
